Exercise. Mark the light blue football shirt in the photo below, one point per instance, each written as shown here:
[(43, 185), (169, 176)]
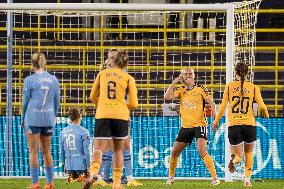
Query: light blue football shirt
[(41, 100), (75, 144)]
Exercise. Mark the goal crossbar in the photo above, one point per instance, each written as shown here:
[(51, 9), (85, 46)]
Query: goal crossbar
[(113, 7)]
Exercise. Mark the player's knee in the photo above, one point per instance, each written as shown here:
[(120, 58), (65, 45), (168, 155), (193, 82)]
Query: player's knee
[(45, 151), (248, 148), (99, 148), (175, 153), (47, 155), (98, 152), (118, 145), (33, 150), (202, 151), (127, 146), (34, 156), (118, 148), (247, 151)]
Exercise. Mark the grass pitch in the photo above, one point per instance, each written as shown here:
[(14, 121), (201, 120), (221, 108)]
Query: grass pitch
[(150, 184)]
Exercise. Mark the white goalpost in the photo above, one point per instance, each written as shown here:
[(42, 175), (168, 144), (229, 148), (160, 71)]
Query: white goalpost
[(160, 40)]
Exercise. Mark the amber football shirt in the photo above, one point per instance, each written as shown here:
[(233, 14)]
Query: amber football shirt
[(240, 110), (192, 104), (109, 94)]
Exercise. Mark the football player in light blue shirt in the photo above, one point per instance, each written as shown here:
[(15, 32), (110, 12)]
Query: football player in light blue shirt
[(40, 105), (75, 147)]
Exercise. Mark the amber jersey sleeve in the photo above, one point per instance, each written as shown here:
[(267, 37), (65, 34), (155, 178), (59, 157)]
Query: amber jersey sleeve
[(133, 101), (94, 96), (240, 109), (260, 102), (223, 104), (109, 93), (192, 104)]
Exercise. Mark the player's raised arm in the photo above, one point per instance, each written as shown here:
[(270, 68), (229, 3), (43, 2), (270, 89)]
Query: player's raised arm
[(170, 94)]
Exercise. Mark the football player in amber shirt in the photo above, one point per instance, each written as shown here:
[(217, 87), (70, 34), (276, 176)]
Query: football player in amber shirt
[(194, 125), (241, 94), (108, 153), (112, 113)]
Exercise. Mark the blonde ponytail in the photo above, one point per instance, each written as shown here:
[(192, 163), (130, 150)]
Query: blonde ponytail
[(38, 60)]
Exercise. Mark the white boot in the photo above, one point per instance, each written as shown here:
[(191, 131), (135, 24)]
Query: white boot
[(170, 181)]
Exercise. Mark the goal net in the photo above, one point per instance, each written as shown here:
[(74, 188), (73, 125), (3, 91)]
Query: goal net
[(160, 39)]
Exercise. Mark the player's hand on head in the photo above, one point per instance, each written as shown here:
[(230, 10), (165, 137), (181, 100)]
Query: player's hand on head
[(178, 79)]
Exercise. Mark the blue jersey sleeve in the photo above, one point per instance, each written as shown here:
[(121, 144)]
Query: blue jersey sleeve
[(63, 157), (86, 146), (25, 98), (56, 97)]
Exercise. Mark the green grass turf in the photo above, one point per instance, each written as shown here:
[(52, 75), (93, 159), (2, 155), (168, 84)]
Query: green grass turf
[(151, 184)]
